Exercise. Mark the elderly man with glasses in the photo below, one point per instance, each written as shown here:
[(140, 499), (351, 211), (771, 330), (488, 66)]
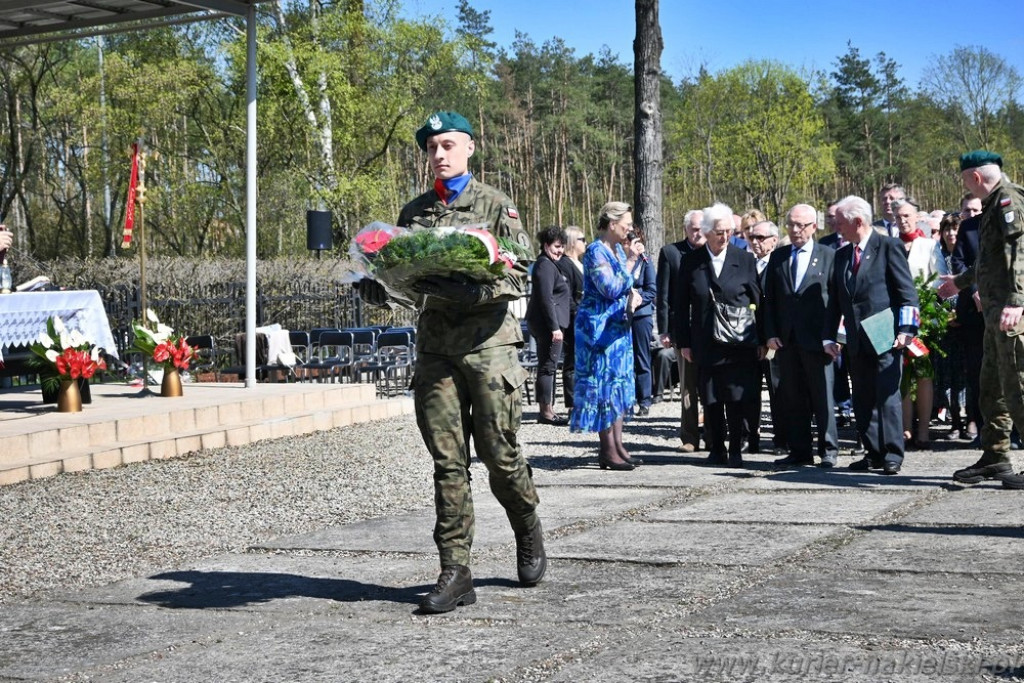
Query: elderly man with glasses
[(763, 237), (797, 292)]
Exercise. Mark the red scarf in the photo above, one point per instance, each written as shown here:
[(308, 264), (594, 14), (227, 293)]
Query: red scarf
[(909, 237)]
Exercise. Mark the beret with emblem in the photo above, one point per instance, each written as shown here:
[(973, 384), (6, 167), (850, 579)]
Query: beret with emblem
[(442, 122), (979, 157)]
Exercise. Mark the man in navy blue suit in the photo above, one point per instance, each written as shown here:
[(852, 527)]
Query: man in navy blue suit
[(872, 284), (797, 291)]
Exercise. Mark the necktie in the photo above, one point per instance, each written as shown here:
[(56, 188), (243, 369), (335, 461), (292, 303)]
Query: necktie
[(792, 266), (856, 259)]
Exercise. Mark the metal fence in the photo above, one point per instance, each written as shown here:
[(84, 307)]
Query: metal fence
[(219, 310)]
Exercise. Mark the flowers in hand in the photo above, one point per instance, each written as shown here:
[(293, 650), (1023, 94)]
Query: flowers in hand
[(400, 257), (160, 344), (65, 353)]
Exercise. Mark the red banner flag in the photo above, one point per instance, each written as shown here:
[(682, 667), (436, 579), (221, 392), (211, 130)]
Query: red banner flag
[(129, 211)]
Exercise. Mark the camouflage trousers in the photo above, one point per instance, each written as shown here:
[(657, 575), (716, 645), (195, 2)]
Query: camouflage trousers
[(1001, 391), (476, 395)]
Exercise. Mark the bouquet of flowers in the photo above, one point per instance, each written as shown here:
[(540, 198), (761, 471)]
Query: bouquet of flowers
[(172, 353), (935, 317), (64, 355), (398, 257)]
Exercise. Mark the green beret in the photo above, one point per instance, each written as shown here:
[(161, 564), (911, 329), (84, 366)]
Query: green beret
[(979, 157), (443, 122)]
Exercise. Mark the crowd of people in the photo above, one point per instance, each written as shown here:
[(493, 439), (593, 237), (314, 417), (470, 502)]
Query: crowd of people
[(822, 314), (736, 303)]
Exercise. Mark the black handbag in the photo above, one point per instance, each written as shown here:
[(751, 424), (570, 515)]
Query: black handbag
[(732, 325)]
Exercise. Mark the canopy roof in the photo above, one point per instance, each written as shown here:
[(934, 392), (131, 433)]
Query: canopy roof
[(26, 20)]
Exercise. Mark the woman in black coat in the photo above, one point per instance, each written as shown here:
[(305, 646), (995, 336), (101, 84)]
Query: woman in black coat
[(728, 376), (572, 269), (547, 316)]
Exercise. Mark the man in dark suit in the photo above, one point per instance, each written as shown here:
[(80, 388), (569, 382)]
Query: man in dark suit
[(796, 298), (763, 237), (666, 304), (886, 224), (970, 323), (871, 277), (840, 368)]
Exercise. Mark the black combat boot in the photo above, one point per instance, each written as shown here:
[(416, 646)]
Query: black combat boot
[(1013, 481), (531, 562), (990, 466), (454, 587)]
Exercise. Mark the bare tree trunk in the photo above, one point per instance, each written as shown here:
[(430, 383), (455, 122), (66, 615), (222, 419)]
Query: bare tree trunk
[(319, 119), (647, 148)]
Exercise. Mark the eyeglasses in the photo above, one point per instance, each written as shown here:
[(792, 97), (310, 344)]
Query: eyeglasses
[(761, 238), (801, 226)]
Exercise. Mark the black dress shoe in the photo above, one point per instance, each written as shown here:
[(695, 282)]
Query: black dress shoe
[(716, 460), (794, 461), (865, 464), (454, 587), (635, 462), (605, 464), (891, 468), (531, 561), (556, 420), (643, 411)]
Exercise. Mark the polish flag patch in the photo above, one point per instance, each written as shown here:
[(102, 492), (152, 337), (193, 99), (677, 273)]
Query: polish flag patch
[(512, 213), (1004, 202)]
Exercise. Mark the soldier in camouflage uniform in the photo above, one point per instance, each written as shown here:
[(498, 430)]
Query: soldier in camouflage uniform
[(999, 276), (468, 378)]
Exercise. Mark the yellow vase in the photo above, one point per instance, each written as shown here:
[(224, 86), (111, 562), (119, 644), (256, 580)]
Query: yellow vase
[(69, 398), (171, 384)]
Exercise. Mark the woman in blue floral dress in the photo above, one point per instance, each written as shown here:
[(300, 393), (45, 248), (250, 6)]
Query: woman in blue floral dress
[(605, 390)]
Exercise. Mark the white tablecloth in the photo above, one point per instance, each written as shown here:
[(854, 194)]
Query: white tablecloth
[(23, 316)]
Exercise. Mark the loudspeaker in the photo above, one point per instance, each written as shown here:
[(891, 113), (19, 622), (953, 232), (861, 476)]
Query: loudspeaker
[(318, 230)]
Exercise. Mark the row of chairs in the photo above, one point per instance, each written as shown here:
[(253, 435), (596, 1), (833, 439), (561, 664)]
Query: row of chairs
[(384, 356)]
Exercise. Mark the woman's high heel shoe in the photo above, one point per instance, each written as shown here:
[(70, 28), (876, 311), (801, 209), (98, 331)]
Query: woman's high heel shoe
[(606, 464), (635, 462)]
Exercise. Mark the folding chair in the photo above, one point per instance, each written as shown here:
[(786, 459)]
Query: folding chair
[(334, 356), (393, 360)]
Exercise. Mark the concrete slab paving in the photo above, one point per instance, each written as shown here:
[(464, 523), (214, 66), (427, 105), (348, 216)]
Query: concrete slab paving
[(987, 504), (731, 657), (330, 650), (672, 572), (698, 542), (279, 582), (411, 533), (819, 507), (934, 548), (908, 605), (41, 642)]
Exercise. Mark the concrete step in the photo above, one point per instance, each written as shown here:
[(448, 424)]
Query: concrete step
[(121, 426)]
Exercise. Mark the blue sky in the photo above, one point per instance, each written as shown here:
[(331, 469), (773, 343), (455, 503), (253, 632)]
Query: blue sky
[(724, 33)]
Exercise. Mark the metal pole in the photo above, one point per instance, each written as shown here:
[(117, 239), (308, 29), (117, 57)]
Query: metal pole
[(250, 199)]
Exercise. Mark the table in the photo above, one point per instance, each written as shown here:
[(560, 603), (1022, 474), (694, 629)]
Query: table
[(23, 316)]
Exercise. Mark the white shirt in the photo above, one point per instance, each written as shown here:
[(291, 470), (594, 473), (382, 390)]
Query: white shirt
[(717, 262), (762, 263), (803, 257)]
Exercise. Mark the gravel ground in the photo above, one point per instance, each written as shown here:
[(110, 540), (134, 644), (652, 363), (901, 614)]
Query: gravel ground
[(100, 526)]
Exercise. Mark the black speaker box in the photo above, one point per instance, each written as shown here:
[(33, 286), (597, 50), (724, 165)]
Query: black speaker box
[(318, 230)]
